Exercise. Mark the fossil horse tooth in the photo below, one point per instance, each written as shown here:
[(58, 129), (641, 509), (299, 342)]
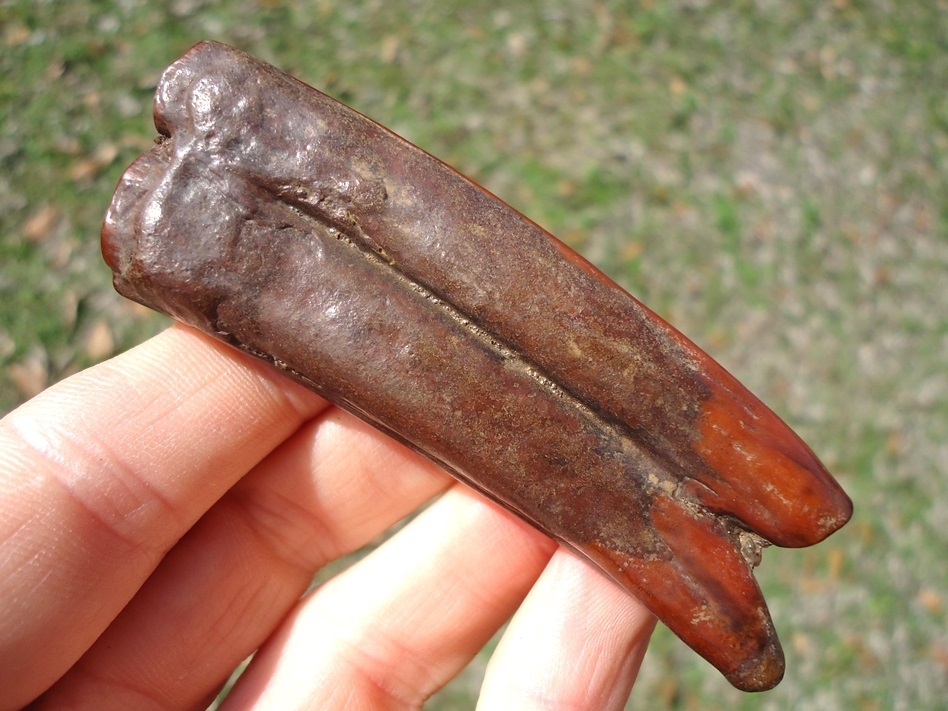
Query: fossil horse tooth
[(295, 229)]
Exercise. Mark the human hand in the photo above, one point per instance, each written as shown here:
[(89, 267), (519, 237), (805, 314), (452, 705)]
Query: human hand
[(162, 514)]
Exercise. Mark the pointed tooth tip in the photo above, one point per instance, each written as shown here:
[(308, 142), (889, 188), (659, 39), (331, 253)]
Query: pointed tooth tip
[(762, 471), (761, 673), (705, 592)]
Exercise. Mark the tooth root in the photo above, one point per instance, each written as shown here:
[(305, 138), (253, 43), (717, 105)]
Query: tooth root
[(783, 492), (297, 230), (727, 610), (698, 583)]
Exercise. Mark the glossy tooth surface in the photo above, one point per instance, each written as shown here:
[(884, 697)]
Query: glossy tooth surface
[(299, 231)]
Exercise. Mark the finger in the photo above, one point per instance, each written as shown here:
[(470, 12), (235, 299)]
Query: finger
[(331, 488), (576, 643), (104, 472), (398, 625)]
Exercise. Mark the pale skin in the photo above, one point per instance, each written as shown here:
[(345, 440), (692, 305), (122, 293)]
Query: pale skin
[(162, 515)]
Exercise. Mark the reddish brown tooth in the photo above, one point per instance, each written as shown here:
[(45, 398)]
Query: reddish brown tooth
[(701, 586), (299, 231), (783, 493)]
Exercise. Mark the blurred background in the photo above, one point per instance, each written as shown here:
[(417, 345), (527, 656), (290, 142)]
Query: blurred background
[(771, 177)]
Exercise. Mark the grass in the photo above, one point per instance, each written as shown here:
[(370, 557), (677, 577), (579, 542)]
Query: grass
[(769, 176)]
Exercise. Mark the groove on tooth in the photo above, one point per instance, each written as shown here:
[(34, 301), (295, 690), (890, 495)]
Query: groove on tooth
[(292, 227)]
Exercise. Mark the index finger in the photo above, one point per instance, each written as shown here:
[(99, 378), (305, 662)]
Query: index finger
[(101, 474)]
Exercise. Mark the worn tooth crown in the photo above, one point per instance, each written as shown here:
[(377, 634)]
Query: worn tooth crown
[(299, 231)]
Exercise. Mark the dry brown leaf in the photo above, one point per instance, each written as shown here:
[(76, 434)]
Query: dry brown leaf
[(69, 308), (93, 164), (30, 376), (99, 343), (7, 345), (929, 599), (16, 35), (41, 224)]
